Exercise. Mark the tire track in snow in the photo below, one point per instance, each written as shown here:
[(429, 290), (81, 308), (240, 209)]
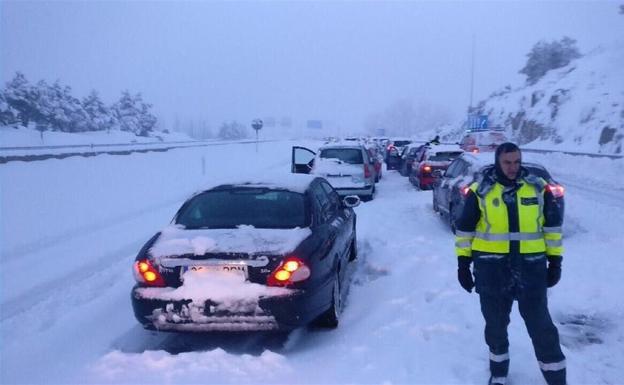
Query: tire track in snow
[(69, 283), (84, 230)]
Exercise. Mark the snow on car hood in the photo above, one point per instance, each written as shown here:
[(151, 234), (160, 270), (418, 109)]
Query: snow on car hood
[(175, 240)]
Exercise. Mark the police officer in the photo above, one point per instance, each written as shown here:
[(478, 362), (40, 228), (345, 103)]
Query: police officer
[(511, 228)]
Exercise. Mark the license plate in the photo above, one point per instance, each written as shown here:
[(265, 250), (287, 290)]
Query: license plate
[(240, 270)]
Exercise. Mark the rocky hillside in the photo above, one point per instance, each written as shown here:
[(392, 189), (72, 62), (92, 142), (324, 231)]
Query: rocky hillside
[(576, 107)]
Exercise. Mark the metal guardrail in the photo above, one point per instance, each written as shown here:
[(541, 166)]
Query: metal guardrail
[(593, 155), (91, 145), (35, 157), (543, 151), (167, 147)]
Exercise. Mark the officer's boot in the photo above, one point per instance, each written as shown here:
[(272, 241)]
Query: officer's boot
[(499, 367), (555, 377)]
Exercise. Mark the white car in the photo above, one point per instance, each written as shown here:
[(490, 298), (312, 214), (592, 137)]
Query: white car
[(346, 166)]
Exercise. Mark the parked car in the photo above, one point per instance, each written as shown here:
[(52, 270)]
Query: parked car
[(249, 256), (348, 167), (452, 185), (412, 154), (394, 151), (482, 140), (435, 157)]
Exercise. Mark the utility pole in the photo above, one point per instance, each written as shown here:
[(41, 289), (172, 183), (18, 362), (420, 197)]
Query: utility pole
[(472, 59)]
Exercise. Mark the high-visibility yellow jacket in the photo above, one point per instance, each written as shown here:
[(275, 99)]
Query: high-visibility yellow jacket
[(496, 227)]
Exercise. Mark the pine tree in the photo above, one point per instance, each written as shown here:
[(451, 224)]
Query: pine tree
[(21, 96), (100, 116), (232, 130), (547, 56), (8, 115)]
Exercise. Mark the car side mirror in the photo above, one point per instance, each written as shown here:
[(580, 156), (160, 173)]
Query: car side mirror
[(351, 201)]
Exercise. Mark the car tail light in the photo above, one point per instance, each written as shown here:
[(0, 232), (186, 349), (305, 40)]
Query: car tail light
[(464, 191), (425, 169), (289, 271), (475, 150), (367, 172), (145, 272), (557, 190)]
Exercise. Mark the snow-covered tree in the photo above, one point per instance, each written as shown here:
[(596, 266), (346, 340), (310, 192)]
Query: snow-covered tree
[(21, 96), (232, 130), (63, 111), (100, 116), (133, 114), (8, 115), (147, 121), (406, 118), (546, 56)]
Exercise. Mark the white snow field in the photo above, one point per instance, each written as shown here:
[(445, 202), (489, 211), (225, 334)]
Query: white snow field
[(72, 227)]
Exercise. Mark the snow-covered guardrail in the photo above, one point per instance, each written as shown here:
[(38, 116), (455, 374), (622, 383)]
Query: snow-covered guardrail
[(545, 151), (14, 153), (593, 155)]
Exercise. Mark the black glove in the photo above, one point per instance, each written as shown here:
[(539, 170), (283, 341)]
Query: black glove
[(554, 270), (464, 275)]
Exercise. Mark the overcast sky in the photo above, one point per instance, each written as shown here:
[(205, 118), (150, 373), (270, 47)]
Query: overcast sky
[(336, 61)]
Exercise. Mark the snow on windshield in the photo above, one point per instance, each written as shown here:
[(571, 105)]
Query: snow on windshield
[(177, 241)]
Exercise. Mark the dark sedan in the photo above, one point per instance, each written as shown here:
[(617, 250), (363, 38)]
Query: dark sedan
[(451, 186), (249, 256)]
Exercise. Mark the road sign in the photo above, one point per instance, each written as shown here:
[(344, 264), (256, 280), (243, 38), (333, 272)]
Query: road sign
[(256, 124), (477, 122)]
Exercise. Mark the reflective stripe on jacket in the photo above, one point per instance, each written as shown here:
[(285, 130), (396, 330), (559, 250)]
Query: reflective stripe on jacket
[(492, 233)]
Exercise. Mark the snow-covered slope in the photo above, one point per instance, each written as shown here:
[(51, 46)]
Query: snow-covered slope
[(577, 106), (581, 104)]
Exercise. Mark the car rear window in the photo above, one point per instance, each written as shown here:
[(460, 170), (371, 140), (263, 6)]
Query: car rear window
[(258, 207), (542, 173), (444, 156), (346, 155), (401, 143)]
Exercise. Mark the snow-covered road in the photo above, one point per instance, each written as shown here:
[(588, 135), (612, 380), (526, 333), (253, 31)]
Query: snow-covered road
[(71, 228)]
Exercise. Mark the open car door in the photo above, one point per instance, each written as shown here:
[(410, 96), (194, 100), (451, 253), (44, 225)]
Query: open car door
[(302, 160)]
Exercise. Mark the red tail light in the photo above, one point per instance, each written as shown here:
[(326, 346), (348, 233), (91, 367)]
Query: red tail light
[(557, 190), (425, 169), (367, 172), (145, 272), (289, 271), (475, 150), (464, 191)]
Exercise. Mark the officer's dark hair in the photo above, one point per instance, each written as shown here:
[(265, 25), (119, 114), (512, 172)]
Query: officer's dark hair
[(505, 148)]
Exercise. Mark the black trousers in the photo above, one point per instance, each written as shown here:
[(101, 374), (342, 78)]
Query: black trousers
[(543, 333)]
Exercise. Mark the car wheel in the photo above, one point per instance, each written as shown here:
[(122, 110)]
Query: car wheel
[(331, 317)]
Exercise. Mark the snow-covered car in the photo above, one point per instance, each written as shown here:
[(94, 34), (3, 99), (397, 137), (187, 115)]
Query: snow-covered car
[(452, 185), (482, 140), (394, 151), (435, 157), (348, 167), (249, 256)]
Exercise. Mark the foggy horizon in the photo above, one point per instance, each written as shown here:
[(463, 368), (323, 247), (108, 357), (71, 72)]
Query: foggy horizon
[(338, 62)]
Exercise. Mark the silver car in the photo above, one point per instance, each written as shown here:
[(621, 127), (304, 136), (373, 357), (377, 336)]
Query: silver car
[(346, 166)]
